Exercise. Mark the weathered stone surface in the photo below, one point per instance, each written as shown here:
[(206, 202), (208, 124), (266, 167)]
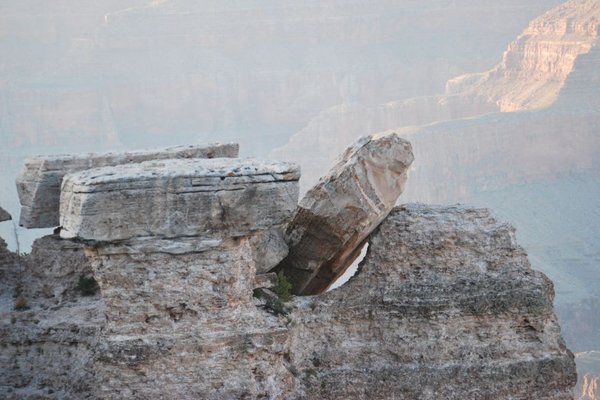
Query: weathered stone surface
[(336, 215), (444, 306), (54, 269), (185, 326), (39, 182), (174, 198), (48, 330), (4, 215), (10, 271)]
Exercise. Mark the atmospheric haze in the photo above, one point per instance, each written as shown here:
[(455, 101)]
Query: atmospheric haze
[(501, 101)]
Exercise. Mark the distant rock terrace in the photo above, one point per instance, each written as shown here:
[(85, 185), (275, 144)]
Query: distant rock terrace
[(171, 272)]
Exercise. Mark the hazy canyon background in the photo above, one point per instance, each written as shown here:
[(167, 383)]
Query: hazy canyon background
[(501, 100)]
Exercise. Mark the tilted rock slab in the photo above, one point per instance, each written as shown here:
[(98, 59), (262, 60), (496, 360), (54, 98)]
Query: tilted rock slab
[(444, 306), (39, 182), (178, 198), (4, 215), (334, 217)]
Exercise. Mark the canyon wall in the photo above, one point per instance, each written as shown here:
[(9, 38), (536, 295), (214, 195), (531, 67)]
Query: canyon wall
[(548, 58)]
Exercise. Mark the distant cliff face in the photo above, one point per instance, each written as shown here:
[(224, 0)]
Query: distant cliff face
[(536, 65), (548, 58), (257, 71)]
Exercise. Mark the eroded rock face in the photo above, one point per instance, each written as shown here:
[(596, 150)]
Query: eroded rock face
[(4, 215), (185, 326), (336, 215), (445, 306), (39, 182)]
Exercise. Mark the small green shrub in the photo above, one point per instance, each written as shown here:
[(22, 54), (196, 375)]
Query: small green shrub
[(283, 287), (257, 293), (87, 286)]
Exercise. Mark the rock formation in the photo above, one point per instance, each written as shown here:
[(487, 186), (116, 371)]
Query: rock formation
[(336, 216), (444, 306), (4, 215), (538, 167), (178, 273), (39, 182)]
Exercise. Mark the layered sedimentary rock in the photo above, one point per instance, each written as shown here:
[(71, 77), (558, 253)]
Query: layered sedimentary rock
[(39, 182), (173, 198), (536, 65), (336, 216), (178, 273), (444, 306), (4, 215)]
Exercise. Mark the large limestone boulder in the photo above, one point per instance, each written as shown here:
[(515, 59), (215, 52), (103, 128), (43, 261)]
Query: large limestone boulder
[(444, 306), (178, 198), (4, 215), (334, 217), (39, 182)]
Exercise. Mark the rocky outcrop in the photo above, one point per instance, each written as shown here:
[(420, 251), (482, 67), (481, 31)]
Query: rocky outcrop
[(337, 215), (177, 275), (39, 182), (4, 215), (445, 305)]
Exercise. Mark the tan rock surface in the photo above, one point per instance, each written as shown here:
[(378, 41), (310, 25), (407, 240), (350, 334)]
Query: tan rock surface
[(40, 180), (336, 216)]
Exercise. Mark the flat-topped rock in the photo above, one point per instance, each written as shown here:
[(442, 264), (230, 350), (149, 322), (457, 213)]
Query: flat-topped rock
[(39, 182), (335, 217), (4, 215), (177, 198)]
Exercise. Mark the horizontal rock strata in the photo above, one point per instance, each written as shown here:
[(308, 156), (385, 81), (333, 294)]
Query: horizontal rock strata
[(336, 216), (39, 182), (173, 198), (175, 247), (445, 306), (4, 215)]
